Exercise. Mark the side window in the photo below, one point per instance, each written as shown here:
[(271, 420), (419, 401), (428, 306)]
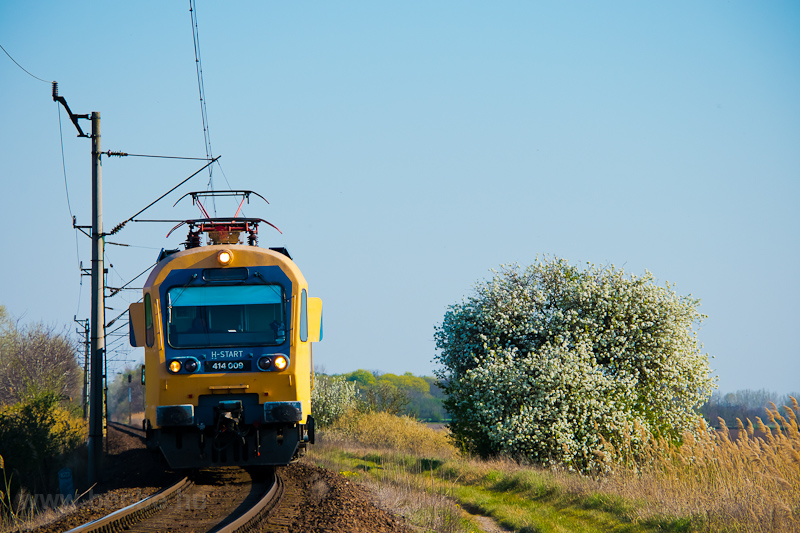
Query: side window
[(149, 335), (303, 316)]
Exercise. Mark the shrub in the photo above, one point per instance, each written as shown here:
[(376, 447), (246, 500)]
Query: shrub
[(387, 431), (549, 362), (331, 397), (36, 435)]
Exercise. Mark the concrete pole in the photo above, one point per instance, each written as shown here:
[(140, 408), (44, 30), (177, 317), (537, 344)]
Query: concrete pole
[(98, 340)]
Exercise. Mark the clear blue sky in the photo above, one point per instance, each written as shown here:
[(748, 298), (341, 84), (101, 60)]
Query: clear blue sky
[(408, 148)]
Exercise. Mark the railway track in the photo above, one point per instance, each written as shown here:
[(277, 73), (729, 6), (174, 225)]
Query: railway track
[(134, 431), (307, 498), (220, 501)]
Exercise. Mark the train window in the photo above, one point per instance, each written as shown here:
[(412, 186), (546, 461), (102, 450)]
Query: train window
[(149, 335), (303, 316), (227, 315)]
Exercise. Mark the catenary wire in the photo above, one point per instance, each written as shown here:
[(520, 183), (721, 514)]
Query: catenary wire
[(121, 224), (20, 66), (122, 313), (201, 90), (69, 206), (117, 289)]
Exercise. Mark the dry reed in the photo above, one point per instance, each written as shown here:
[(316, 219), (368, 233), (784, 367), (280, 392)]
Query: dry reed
[(747, 483)]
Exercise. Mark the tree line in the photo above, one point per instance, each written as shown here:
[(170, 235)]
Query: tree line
[(743, 404)]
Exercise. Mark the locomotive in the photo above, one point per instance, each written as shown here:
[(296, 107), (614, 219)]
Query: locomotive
[(227, 330)]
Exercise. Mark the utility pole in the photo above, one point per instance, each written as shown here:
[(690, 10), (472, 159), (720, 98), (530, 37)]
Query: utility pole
[(98, 339), (84, 333), (97, 327)]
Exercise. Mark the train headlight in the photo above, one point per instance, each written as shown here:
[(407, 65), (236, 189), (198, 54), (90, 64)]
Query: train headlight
[(225, 257), (264, 362), (174, 366), (280, 362), (191, 365)]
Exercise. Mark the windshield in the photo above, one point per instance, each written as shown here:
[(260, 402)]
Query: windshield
[(239, 315)]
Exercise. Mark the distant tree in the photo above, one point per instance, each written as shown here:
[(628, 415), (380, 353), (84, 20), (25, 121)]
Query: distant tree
[(384, 397), (363, 377), (427, 405), (407, 394), (742, 404), (408, 382), (546, 362), (36, 358)]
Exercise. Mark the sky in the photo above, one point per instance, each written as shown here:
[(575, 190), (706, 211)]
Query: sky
[(409, 148)]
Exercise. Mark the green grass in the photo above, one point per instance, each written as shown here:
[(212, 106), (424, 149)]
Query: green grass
[(524, 500)]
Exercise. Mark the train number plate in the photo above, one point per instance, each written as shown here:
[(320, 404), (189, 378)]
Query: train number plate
[(227, 366)]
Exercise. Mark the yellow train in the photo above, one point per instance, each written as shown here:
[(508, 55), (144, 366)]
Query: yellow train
[(227, 332)]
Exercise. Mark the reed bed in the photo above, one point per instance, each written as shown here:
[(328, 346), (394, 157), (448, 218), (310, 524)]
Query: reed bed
[(748, 483)]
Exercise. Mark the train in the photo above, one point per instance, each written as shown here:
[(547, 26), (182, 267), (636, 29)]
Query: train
[(227, 330)]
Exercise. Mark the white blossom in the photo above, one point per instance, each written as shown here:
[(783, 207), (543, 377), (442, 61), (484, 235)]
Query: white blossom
[(331, 397), (542, 362)]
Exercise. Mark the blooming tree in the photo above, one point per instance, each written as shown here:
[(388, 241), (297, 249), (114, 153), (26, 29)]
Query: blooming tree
[(331, 397), (552, 363)]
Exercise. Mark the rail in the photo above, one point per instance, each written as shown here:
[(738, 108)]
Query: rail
[(141, 510)]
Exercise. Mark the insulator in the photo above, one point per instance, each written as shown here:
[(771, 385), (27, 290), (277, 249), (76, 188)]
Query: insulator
[(193, 240), (117, 228), (252, 239), (55, 90)]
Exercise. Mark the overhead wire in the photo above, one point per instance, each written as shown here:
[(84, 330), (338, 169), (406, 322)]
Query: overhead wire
[(20, 66), (66, 186), (122, 313), (126, 154), (202, 91), (64, 169), (122, 224), (115, 290), (66, 192)]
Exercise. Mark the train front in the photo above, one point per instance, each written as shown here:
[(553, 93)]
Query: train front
[(227, 331)]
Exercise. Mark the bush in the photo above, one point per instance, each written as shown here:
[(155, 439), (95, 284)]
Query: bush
[(387, 431), (547, 362), (36, 435), (331, 397)]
